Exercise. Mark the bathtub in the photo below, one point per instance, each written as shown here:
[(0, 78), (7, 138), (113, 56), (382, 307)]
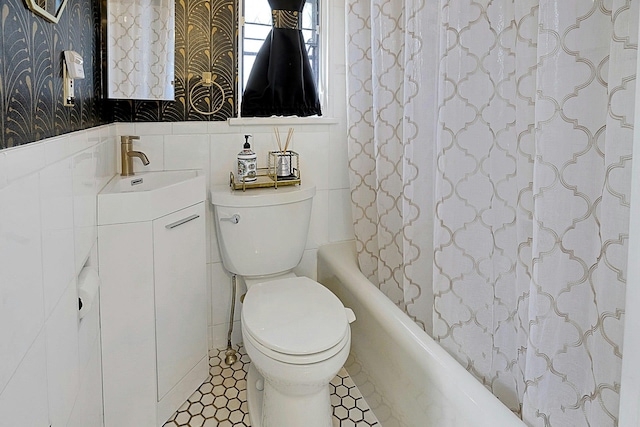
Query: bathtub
[(405, 376)]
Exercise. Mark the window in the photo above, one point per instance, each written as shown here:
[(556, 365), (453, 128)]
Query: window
[(257, 24)]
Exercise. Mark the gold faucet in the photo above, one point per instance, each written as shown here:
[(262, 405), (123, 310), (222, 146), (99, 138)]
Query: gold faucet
[(127, 154)]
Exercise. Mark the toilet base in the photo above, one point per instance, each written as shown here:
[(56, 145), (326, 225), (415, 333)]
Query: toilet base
[(254, 396), (310, 410)]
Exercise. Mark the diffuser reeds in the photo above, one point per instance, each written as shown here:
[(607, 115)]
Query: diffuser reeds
[(287, 142)]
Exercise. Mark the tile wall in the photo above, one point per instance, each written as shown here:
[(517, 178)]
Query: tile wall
[(48, 233), (213, 147), (50, 372)]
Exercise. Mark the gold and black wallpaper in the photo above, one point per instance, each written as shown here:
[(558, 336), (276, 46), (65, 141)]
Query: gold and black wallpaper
[(31, 104), (205, 42), (31, 92)]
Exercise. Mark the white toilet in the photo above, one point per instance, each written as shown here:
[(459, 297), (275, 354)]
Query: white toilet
[(295, 331)]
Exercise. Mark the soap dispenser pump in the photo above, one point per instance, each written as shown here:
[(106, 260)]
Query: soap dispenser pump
[(247, 163)]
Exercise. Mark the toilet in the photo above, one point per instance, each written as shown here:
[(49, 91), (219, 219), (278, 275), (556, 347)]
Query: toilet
[(296, 332)]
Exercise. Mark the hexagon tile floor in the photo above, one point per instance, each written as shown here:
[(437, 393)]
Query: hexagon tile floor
[(222, 399)]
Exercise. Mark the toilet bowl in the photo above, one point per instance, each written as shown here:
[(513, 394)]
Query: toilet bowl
[(295, 331), (297, 335)]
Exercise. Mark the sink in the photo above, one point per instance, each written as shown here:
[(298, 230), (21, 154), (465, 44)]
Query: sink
[(148, 181), (149, 195)]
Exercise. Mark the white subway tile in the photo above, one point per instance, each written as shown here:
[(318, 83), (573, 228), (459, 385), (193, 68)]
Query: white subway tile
[(21, 294), (3, 171), (108, 131), (261, 144), (186, 152), (313, 148), (339, 217), (338, 164), (153, 147), (24, 401), (210, 337), (106, 162), (87, 411), (84, 166), (153, 128), (337, 38), (94, 136), (318, 231), (62, 357), (88, 334), (124, 129), (308, 264), (214, 250), (218, 127), (209, 295), (221, 294), (56, 149), (77, 141), (224, 154), (186, 128), (208, 224), (56, 212), (220, 333), (24, 160)]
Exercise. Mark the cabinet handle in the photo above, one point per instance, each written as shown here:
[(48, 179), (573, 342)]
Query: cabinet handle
[(181, 221)]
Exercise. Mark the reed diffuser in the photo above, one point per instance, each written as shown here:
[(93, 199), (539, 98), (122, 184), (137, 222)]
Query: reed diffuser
[(283, 165)]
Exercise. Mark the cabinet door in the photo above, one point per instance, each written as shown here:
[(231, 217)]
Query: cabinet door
[(180, 294)]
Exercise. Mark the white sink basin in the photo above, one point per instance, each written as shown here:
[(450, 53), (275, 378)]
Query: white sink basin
[(149, 195)]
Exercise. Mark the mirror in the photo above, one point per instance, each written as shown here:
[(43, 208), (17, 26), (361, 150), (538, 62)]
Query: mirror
[(51, 10), (141, 49)]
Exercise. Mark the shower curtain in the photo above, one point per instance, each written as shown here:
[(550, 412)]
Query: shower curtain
[(391, 117), (490, 158)]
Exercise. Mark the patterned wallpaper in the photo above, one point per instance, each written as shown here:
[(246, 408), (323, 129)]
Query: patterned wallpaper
[(31, 72), (205, 42)]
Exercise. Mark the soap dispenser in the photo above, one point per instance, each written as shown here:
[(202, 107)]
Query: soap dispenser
[(247, 163)]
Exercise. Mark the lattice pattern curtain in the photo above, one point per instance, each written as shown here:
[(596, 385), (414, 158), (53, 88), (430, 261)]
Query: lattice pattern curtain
[(531, 184), (392, 63)]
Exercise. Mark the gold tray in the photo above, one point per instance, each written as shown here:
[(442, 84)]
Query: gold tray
[(267, 177)]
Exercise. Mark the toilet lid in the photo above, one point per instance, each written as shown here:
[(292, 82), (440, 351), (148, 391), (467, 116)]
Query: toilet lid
[(294, 316)]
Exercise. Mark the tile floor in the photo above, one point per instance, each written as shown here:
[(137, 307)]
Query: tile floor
[(222, 399)]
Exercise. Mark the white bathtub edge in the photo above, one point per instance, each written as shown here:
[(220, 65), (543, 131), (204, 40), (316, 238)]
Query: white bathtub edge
[(341, 258)]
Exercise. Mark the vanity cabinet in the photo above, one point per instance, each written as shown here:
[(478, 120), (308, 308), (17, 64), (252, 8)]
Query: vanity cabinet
[(153, 315)]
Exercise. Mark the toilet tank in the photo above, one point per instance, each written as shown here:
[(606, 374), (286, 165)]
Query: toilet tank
[(264, 231)]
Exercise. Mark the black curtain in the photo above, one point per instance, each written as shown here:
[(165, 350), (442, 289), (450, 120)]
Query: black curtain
[(281, 82)]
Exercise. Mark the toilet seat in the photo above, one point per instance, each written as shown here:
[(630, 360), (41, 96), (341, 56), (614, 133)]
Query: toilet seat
[(304, 359), (295, 320)]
